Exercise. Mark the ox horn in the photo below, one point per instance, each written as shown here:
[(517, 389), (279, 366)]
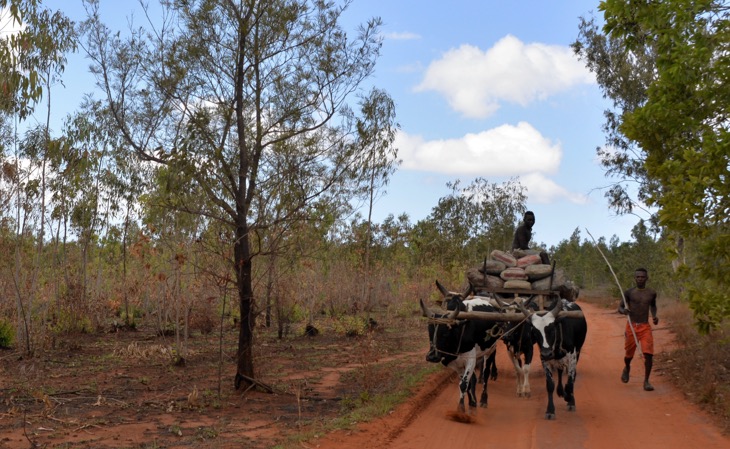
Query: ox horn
[(441, 288), (426, 311), (467, 292), (523, 309), (502, 304), (558, 306), (453, 314)]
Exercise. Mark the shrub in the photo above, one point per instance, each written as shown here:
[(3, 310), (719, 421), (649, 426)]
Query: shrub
[(67, 323), (350, 326), (7, 334)]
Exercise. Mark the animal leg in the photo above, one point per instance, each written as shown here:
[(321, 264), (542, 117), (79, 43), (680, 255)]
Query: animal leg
[(550, 386), (518, 371), (485, 395), (472, 392), (526, 392), (569, 397), (561, 392), (463, 390), (490, 365)]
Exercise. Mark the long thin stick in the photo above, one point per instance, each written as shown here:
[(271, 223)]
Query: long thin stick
[(623, 298)]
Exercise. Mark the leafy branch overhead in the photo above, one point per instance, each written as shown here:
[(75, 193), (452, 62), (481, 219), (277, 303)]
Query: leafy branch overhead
[(665, 67)]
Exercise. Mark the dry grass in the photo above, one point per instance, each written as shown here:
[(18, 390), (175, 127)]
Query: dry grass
[(109, 380), (701, 363)]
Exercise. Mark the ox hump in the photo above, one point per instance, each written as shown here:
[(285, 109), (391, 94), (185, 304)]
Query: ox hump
[(479, 304)]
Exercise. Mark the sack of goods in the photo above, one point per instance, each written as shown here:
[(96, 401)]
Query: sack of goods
[(538, 271), (514, 274), (545, 284), (519, 270), (493, 267), (528, 260), (479, 280), (522, 285), (506, 258)]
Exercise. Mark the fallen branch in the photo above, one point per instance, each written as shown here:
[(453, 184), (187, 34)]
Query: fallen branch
[(253, 382)]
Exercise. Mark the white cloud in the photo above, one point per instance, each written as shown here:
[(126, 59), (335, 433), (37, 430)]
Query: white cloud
[(506, 151), (542, 190), (503, 151), (475, 82)]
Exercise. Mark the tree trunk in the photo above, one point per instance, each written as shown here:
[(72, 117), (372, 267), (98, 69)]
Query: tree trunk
[(245, 368)]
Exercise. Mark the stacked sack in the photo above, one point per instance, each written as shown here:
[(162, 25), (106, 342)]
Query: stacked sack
[(518, 270)]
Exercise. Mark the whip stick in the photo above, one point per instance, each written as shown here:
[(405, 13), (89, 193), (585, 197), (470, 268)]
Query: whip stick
[(623, 298)]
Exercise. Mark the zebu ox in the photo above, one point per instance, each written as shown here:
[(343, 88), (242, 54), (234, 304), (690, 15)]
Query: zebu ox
[(458, 344), (560, 334), (517, 337)]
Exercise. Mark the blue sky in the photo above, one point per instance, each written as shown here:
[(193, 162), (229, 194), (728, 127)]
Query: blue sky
[(491, 88), (484, 88)]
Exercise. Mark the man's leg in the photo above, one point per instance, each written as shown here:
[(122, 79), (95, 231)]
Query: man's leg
[(630, 349), (627, 370), (648, 362)]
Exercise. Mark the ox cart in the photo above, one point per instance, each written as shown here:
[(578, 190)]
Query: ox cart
[(470, 327)]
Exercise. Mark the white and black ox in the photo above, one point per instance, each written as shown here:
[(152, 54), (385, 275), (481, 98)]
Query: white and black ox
[(560, 334), (459, 344), (517, 337)]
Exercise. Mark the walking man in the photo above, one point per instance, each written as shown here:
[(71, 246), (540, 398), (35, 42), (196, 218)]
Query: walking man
[(640, 300)]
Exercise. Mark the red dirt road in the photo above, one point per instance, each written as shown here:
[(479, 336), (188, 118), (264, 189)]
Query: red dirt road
[(609, 414)]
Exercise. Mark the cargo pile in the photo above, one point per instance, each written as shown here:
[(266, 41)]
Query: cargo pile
[(520, 270)]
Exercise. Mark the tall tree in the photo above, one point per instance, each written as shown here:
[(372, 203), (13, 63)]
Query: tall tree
[(32, 57), (624, 75), (679, 129), (376, 132), (222, 91)]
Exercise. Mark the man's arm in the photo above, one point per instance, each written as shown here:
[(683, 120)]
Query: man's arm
[(652, 309), (625, 310)]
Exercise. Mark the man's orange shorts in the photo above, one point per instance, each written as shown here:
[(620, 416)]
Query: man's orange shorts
[(643, 334)]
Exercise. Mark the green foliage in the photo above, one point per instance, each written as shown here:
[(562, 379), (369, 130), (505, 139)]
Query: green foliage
[(665, 67), (352, 326), (65, 322), (465, 226), (130, 318), (7, 334), (32, 54), (277, 134), (584, 264)]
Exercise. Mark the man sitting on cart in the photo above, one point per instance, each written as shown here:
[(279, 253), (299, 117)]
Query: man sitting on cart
[(523, 235)]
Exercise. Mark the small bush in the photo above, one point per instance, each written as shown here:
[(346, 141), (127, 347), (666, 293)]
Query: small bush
[(134, 313), (7, 334), (67, 323), (350, 326)]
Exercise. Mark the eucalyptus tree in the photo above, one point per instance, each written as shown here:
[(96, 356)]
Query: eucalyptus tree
[(665, 65), (32, 58), (624, 74), (33, 54), (216, 89), (376, 132), (95, 197)]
